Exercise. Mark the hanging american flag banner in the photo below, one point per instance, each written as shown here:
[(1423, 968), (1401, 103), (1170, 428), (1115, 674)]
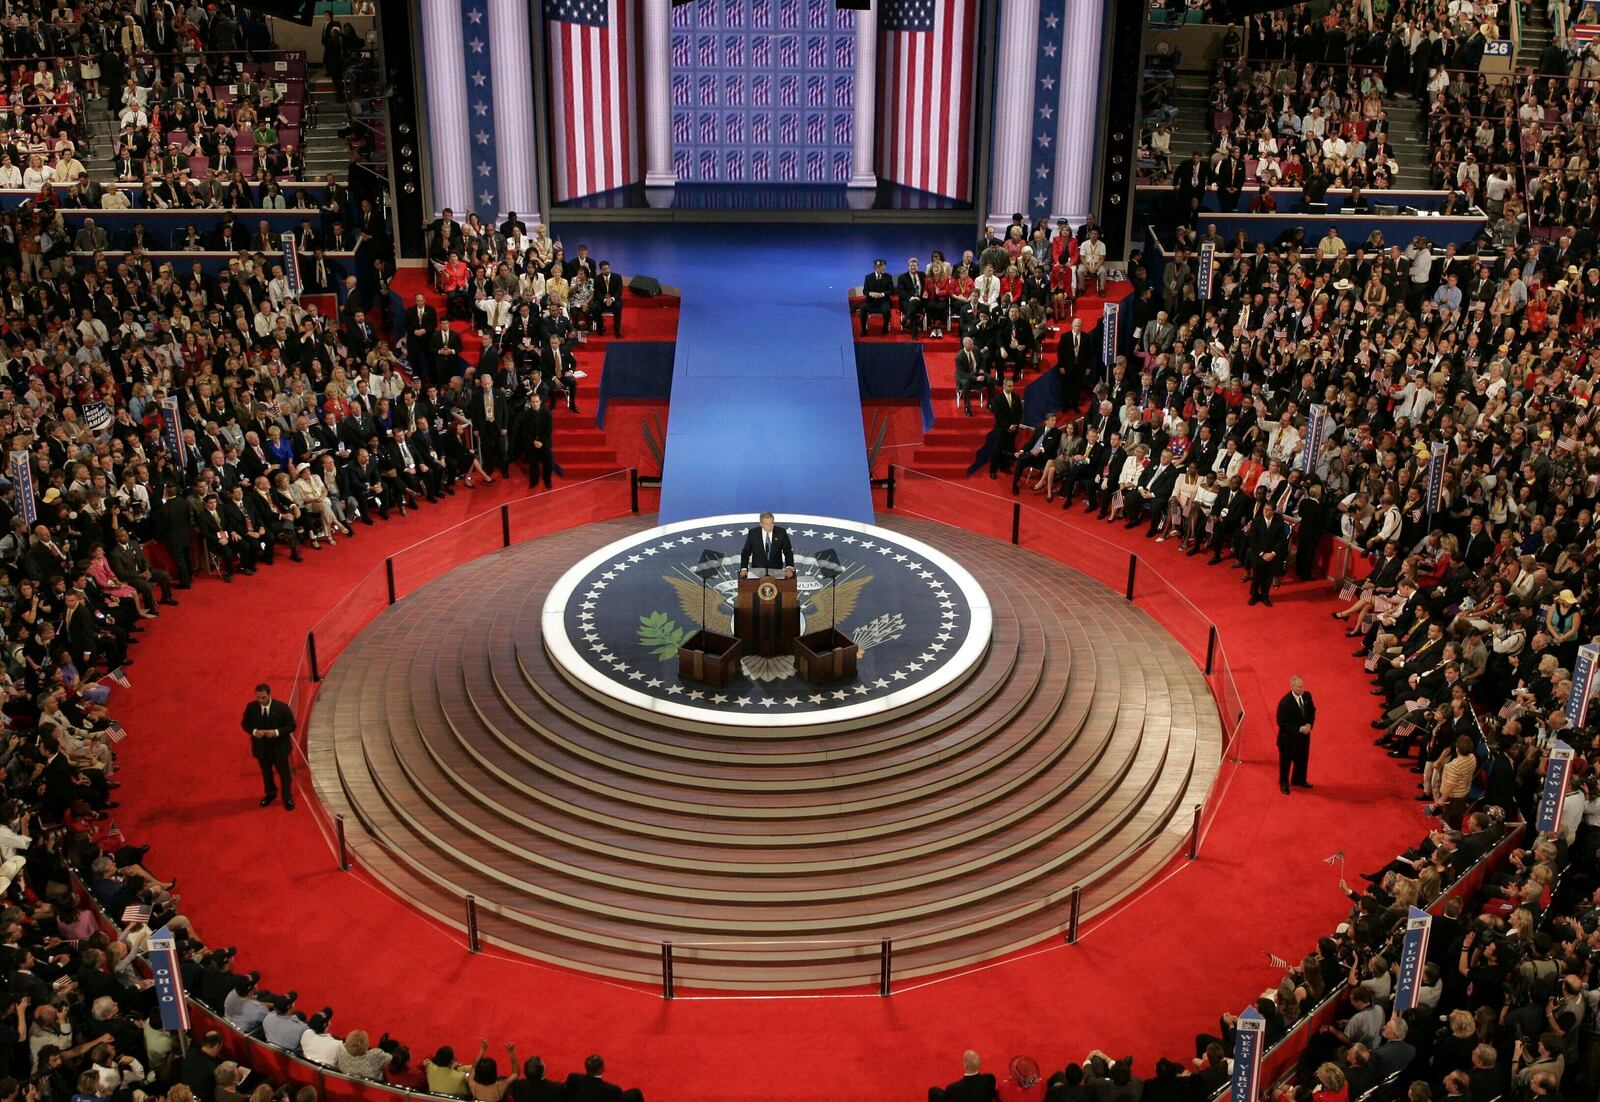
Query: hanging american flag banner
[(925, 66), (478, 66), (593, 95)]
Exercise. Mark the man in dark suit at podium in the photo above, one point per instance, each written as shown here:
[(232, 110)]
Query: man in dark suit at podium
[(766, 547)]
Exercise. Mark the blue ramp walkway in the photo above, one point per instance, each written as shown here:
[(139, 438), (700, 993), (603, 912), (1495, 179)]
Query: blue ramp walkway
[(766, 408)]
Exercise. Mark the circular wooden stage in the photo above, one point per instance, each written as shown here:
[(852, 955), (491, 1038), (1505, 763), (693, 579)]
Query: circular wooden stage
[(1073, 753)]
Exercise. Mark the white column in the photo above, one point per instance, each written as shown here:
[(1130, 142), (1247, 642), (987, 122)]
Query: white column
[(1013, 110), (1077, 114), (866, 101), (658, 171), (443, 56), (511, 52)]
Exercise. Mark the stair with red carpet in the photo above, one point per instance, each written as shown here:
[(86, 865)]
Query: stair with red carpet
[(951, 446), (581, 448)]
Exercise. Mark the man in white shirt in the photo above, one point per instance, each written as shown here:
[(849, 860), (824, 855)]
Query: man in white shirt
[(317, 1044), (986, 288), (496, 312)]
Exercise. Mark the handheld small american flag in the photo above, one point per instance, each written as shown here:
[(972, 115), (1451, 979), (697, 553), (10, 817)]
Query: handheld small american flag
[(114, 832), (1334, 858), (1276, 961), (925, 82), (117, 677), (116, 732), (135, 913), (593, 95)]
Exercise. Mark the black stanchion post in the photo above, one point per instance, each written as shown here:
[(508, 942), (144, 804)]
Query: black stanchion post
[(633, 489), (473, 944), (505, 526), (666, 970), (890, 502), (1211, 648), (1016, 522), (344, 854), (1133, 568), (311, 652), (885, 966), (1194, 833), (388, 571), (1076, 906)]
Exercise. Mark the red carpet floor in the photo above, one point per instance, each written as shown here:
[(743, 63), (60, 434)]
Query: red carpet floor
[(1142, 981)]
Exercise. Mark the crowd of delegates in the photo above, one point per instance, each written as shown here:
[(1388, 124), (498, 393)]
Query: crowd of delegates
[(293, 428), (1507, 999), (1292, 124), (1005, 297), (79, 903), (1311, 111)]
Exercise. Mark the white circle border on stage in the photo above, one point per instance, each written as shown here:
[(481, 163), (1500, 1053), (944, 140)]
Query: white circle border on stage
[(564, 652)]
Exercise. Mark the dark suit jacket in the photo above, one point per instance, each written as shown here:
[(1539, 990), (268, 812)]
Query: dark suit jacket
[(537, 1090), (1292, 718), (79, 633), (1051, 439), (477, 412), (881, 284), (279, 718), (755, 552), (1273, 537), (591, 1088), (537, 425), (1160, 481), (973, 1088), (1075, 363), (1007, 415), (607, 286)]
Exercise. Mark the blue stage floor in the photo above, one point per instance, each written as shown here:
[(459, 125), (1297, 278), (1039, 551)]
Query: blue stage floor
[(765, 411)]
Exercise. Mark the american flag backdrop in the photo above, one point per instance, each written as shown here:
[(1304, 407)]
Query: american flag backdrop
[(594, 95), (751, 75), (926, 58)]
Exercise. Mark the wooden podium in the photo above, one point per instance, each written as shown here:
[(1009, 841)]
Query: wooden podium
[(824, 656), (710, 658), (767, 614)]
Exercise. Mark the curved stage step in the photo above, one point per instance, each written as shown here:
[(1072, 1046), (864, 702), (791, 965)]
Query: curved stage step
[(1075, 751)]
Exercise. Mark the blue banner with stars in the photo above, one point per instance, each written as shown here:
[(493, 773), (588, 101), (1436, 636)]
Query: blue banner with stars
[(1046, 99), (480, 111)]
